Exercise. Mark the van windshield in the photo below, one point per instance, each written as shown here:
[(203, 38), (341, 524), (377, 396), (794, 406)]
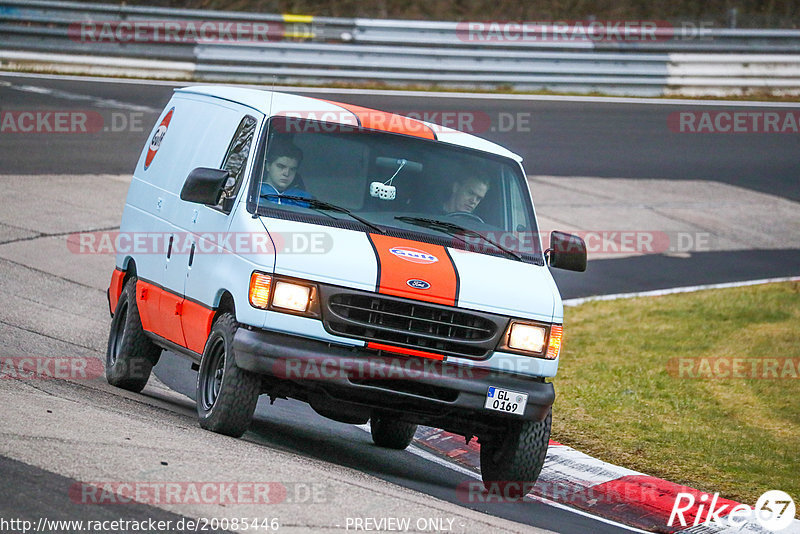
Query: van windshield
[(402, 185)]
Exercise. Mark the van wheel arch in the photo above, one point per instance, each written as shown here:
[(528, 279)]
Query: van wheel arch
[(226, 305), (129, 266)]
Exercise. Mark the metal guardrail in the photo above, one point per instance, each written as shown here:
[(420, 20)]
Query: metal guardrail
[(46, 35), (685, 37)]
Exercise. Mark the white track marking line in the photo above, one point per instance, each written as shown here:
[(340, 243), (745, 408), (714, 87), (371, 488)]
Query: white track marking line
[(429, 94), (67, 95), (674, 290)]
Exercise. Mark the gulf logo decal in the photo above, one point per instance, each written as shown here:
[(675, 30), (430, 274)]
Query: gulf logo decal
[(413, 255), (411, 270), (155, 142)]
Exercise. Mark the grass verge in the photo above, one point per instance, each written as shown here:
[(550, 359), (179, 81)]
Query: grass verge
[(626, 393)]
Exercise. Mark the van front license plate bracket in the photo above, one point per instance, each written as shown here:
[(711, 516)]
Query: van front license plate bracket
[(506, 401)]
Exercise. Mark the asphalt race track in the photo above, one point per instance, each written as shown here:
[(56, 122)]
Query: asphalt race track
[(604, 139), (620, 141), (625, 140)]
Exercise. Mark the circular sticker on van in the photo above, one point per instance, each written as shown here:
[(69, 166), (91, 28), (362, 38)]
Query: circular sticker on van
[(416, 283), (155, 142), (413, 255)]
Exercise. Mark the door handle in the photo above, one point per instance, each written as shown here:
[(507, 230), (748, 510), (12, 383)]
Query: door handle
[(169, 248), (191, 255)]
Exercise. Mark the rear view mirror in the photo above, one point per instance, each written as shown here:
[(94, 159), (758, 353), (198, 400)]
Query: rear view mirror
[(204, 186), (567, 251)]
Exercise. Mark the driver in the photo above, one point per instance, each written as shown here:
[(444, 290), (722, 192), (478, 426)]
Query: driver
[(466, 195), (281, 170)]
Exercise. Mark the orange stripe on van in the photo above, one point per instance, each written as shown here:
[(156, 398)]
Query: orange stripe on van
[(196, 320), (160, 311), (405, 267), (388, 122), (148, 297)]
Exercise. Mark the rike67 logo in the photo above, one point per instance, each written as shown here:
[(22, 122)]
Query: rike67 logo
[(774, 511)]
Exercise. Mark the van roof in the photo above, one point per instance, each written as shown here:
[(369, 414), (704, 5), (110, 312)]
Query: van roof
[(272, 103)]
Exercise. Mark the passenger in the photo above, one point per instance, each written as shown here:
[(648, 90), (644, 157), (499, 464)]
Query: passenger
[(280, 173), (466, 195)]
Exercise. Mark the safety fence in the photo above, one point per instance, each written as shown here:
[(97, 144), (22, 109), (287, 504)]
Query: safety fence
[(647, 58)]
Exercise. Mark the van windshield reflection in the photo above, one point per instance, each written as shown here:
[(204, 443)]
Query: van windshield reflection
[(388, 182)]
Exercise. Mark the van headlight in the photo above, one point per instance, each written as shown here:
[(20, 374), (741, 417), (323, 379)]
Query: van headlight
[(285, 295), (527, 337), (532, 339), (291, 296)]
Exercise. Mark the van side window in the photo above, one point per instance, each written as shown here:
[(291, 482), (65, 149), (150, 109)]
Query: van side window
[(518, 212), (235, 160)]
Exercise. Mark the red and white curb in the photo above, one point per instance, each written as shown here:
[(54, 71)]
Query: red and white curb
[(580, 481)]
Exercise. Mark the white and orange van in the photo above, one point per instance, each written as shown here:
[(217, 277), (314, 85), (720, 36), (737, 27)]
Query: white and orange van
[(380, 268)]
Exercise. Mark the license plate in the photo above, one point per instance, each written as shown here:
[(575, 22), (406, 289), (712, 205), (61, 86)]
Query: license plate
[(507, 401)]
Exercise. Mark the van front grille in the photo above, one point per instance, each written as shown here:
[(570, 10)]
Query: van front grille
[(411, 324)]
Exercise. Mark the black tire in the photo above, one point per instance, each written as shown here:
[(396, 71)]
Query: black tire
[(130, 355), (390, 433), (226, 394), (510, 464)]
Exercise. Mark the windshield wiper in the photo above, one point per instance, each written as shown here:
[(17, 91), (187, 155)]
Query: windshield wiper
[(455, 229), (321, 205)]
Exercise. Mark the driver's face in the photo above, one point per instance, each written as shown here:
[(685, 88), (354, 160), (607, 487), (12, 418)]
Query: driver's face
[(281, 173), (467, 195)]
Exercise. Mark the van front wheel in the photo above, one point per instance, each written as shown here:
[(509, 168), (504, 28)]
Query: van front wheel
[(511, 463), (226, 395)]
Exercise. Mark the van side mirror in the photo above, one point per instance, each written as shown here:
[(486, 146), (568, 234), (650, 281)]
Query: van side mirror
[(567, 251), (204, 186)]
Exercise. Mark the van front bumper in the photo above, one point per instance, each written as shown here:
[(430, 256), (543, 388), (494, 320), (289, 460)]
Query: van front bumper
[(385, 380)]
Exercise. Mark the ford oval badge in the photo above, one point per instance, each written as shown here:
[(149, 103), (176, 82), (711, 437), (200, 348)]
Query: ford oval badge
[(418, 284)]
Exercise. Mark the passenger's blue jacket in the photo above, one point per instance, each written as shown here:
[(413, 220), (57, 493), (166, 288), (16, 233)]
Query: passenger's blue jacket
[(268, 189)]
